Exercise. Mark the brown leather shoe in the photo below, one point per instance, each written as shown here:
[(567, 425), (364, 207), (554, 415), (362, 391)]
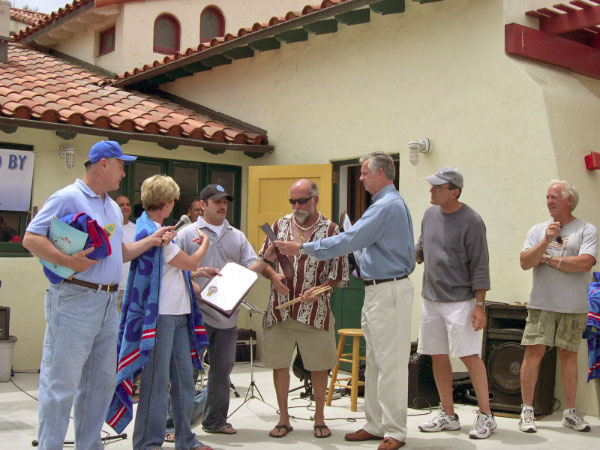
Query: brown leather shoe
[(361, 435), (390, 444)]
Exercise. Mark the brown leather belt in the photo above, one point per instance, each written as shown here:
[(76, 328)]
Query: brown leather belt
[(385, 280), (94, 286)]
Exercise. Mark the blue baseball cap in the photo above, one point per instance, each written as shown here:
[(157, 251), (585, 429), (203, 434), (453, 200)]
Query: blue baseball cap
[(108, 149)]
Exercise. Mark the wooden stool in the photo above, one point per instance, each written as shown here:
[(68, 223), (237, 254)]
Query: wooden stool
[(356, 334)]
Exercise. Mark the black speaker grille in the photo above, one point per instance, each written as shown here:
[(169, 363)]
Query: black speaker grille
[(504, 367)]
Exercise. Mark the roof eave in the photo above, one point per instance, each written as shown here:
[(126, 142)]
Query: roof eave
[(247, 39), (164, 140)]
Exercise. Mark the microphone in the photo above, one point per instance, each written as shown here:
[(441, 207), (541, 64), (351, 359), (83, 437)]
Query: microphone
[(183, 221)]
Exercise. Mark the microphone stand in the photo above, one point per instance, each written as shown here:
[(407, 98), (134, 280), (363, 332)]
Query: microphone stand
[(252, 387)]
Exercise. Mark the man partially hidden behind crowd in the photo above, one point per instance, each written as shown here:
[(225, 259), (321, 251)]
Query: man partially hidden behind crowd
[(561, 251), (310, 323), (385, 235), (80, 353), (453, 246), (128, 236)]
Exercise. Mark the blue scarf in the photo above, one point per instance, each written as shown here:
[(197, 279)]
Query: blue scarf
[(592, 332), (137, 327)]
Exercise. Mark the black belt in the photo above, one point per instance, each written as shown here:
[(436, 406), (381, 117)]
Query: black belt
[(384, 280), (94, 286)]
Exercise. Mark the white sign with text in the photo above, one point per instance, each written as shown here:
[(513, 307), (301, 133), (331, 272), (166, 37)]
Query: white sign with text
[(16, 175)]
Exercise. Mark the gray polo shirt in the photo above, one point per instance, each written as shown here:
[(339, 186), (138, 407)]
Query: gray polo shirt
[(230, 245)]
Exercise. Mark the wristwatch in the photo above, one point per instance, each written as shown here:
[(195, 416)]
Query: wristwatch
[(301, 251), (480, 303), (548, 259)]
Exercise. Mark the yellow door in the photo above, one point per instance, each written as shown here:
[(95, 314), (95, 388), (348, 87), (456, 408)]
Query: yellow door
[(269, 191)]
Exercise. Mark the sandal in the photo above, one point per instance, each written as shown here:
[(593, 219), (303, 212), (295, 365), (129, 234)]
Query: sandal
[(225, 429), (169, 437), (275, 431), (322, 429)]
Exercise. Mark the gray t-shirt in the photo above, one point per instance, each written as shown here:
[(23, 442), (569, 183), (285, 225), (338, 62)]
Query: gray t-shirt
[(555, 290), (230, 245), (455, 252)]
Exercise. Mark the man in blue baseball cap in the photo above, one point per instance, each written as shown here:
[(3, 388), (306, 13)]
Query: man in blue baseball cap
[(79, 356)]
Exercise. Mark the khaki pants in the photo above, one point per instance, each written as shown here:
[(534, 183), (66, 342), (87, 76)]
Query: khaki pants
[(386, 320)]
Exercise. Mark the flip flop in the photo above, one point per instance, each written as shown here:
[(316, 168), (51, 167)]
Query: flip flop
[(169, 437), (274, 434), (225, 429), (322, 428)]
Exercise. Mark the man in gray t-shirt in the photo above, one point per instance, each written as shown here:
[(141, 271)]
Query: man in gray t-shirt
[(561, 251), (453, 246)]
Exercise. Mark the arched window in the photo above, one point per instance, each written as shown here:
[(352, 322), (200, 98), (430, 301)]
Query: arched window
[(167, 34), (212, 23)]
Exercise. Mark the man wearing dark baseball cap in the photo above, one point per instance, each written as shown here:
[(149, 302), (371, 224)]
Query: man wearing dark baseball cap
[(107, 149), (214, 192)]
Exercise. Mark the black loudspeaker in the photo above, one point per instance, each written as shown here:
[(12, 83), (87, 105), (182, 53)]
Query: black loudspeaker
[(422, 392), (242, 345), (503, 355)]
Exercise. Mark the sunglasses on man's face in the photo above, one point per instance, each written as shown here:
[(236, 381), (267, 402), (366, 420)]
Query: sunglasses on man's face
[(300, 201)]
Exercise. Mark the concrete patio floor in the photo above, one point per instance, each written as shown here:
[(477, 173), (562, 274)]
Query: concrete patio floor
[(19, 421)]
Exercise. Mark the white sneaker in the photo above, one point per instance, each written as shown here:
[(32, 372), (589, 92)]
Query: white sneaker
[(441, 422), (526, 422), (483, 426), (572, 419)]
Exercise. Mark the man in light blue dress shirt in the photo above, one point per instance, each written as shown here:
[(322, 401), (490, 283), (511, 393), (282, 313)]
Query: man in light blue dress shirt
[(385, 235)]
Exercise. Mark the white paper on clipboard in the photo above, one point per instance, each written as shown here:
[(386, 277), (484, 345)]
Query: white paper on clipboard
[(225, 293), (347, 226)]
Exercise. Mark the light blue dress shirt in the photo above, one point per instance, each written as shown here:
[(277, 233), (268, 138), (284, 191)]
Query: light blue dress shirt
[(385, 235)]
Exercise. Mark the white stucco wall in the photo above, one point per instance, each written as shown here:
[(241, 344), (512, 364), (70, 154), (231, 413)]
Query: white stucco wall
[(439, 71), (134, 28)]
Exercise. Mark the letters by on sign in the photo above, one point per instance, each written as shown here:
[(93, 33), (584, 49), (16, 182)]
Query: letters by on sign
[(16, 175)]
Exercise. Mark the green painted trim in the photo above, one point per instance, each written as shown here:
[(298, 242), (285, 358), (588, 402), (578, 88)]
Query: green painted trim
[(8, 129), (322, 26), (65, 135), (13, 249), (197, 67), (213, 151), (426, 1), (240, 52), (217, 60), (121, 141), (180, 73), (13, 146), (389, 7), (160, 79), (263, 45), (354, 17), (168, 146), (254, 155), (292, 36)]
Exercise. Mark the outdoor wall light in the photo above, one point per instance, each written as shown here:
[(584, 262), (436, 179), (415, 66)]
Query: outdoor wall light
[(415, 148), (68, 154)]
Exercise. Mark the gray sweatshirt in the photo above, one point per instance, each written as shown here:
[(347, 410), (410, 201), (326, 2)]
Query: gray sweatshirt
[(455, 253)]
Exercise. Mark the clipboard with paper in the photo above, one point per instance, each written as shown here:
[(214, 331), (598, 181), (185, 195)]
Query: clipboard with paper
[(346, 225), (224, 293)]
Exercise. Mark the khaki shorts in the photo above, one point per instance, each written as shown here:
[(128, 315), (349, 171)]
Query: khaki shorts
[(317, 347), (554, 329)]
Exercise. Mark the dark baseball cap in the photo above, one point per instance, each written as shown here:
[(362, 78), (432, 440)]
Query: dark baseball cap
[(447, 175), (215, 192), (108, 149)]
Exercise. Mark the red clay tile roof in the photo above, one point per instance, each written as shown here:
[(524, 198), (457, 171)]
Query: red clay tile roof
[(228, 37), (27, 17), (49, 19), (40, 87)]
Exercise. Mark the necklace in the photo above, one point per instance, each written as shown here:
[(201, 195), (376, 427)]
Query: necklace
[(301, 229)]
